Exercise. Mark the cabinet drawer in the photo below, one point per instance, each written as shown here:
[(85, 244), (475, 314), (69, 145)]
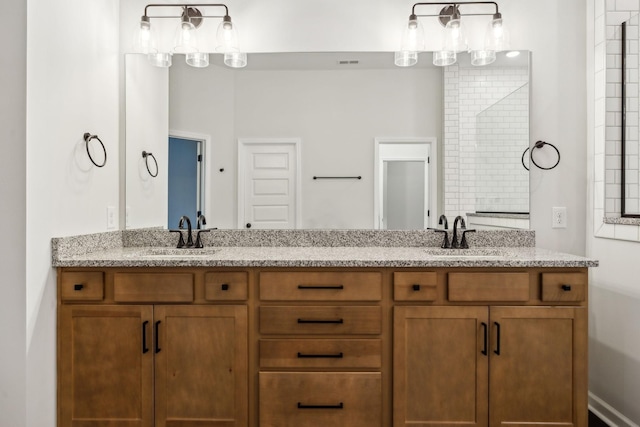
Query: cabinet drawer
[(82, 286), (320, 320), (467, 287), (222, 286), (415, 286), (306, 353), (320, 399), (564, 287), (320, 286), (153, 287)]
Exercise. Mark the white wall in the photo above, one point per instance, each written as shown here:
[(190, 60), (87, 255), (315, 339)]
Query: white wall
[(12, 214), (614, 336), (72, 88)]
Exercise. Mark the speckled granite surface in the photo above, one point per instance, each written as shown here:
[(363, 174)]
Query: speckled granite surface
[(620, 220), (300, 248)]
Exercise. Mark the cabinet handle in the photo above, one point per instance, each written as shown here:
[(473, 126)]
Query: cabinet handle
[(224, 286), (78, 287), (319, 356), (145, 349), (416, 287), (565, 288), (157, 336), (320, 287), (497, 350), (338, 406), (337, 321), (486, 338)]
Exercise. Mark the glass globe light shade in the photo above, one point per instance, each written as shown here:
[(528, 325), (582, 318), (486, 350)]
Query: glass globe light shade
[(186, 39), (227, 36), (235, 59), (405, 58), (496, 36), (455, 36), (159, 59), (413, 36), (442, 58), (198, 59), (482, 57), (144, 40)]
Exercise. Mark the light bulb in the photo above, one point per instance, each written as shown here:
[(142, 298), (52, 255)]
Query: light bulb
[(186, 39), (413, 36), (226, 35), (144, 41), (497, 36), (455, 37)]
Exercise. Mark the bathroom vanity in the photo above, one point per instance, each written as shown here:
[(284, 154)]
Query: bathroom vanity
[(322, 336)]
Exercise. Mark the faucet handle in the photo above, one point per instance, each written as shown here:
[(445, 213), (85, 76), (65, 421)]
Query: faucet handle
[(199, 240), (181, 240), (463, 242), (445, 241)]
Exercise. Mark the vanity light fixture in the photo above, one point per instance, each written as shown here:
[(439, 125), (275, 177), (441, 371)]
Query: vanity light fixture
[(186, 36), (454, 35)]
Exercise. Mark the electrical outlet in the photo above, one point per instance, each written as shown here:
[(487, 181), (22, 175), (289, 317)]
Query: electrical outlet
[(559, 217), (111, 217)]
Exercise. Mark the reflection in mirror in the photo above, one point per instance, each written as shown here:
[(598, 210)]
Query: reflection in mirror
[(337, 105), (630, 176)]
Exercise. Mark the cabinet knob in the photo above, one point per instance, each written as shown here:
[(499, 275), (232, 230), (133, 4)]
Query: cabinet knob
[(566, 288), (78, 287), (224, 286), (416, 287)]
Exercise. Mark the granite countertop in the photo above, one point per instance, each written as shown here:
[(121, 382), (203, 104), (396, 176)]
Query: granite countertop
[(306, 248)]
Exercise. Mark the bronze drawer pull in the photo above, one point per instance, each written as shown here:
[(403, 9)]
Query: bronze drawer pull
[(224, 286), (497, 350), (157, 337), (78, 287), (486, 339), (416, 287), (565, 288), (337, 321), (145, 349), (320, 287), (318, 356), (338, 406)]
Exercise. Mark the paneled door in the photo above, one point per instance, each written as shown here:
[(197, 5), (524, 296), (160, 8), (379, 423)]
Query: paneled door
[(269, 183)]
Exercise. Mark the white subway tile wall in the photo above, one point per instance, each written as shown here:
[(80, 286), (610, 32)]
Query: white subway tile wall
[(475, 131)]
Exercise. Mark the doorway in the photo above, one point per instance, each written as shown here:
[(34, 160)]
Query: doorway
[(405, 176), (186, 179)]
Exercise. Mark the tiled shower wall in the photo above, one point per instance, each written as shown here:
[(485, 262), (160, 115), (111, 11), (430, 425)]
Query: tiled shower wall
[(618, 12), (468, 92)]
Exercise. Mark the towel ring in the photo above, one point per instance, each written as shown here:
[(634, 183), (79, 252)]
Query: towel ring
[(540, 144), (145, 156), (88, 137)]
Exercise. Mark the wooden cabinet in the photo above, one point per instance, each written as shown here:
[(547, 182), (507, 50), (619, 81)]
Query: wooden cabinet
[(155, 364), (320, 349), (490, 364), (279, 347)]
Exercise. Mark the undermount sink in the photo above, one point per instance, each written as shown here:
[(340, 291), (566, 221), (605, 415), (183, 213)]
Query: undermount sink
[(155, 252), (473, 253)]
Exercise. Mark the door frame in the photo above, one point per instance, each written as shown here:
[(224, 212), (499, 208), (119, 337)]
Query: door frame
[(203, 173), (243, 144), (431, 176)]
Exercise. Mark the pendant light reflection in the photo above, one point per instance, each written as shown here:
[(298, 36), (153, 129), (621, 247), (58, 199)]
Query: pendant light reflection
[(186, 37), (455, 38)]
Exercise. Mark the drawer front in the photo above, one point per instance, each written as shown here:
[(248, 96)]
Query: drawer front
[(320, 320), (225, 286), (467, 287), (320, 286), (415, 286), (564, 287), (153, 287), (320, 399), (82, 286), (322, 353)]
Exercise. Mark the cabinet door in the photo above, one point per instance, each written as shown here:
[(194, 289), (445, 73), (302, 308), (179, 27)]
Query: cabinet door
[(105, 367), (440, 366), (538, 366), (201, 366)]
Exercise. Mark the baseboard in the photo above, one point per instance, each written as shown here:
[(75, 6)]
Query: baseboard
[(607, 413)]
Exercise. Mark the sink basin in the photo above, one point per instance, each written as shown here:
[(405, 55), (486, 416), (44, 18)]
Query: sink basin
[(154, 252), (472, 253)]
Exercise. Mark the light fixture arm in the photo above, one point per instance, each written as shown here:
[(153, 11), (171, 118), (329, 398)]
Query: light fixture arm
[(454, 7), (184, 6)]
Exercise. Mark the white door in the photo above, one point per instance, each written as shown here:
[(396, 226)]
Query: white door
[(268, 184)]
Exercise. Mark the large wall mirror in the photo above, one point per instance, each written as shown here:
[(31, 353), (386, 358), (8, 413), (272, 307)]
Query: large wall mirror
[(317, 120)]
